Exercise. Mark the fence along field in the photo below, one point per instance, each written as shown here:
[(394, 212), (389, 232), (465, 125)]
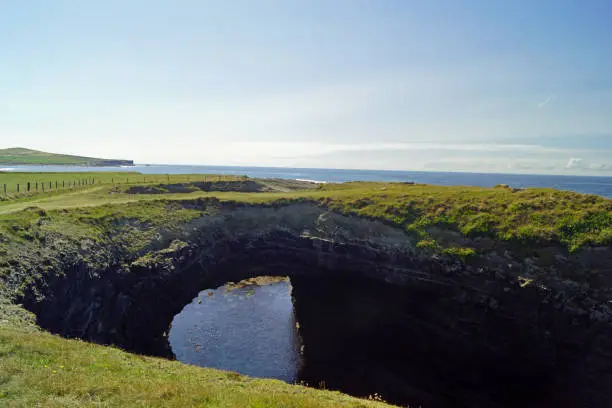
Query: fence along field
[(13, 185)]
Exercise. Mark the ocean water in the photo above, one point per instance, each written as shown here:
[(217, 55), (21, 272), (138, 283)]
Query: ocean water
[(582, 184), (250, 330)]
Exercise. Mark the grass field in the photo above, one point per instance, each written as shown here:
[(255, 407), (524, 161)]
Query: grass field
[(21, 156), (17, 182)]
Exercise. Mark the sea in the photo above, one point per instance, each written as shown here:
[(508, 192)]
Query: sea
[(582, 184)]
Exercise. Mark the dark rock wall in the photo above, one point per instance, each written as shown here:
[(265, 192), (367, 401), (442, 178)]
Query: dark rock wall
[(438, 348)]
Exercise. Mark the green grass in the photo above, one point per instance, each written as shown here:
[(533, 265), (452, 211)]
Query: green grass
[(532, 216), (21, 156), (64, 181), (39, 369)]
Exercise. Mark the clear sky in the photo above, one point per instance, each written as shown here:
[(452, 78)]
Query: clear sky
[(471, 85)]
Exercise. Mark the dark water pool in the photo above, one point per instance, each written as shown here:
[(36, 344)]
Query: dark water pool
[(249, 329)]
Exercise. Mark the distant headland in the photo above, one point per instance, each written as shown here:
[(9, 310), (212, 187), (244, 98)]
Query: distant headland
[(22, 156)]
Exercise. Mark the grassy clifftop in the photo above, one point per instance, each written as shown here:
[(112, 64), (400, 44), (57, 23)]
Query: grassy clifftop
[(21, 156), (524, 217)]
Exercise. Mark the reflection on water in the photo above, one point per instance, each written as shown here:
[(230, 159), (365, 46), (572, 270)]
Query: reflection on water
[(249, 329)]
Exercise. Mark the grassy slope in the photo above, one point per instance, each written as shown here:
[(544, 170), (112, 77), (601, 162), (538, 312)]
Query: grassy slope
[(92, 373), (16, 156), (39, 369)]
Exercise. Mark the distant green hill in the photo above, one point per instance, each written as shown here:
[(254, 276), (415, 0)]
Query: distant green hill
[(18, 155)]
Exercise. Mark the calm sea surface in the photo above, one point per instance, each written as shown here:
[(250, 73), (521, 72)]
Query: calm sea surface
[(582, 184), (251, 330)]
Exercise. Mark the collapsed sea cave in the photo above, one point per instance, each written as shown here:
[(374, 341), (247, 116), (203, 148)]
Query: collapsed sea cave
[(375, 315)]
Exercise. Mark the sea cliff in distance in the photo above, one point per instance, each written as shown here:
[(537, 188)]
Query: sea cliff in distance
[(22, 156)]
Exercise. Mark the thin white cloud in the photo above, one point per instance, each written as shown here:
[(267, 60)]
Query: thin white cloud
[(574, 163), (318, 148), (580, 164), (600, 167), (549, 99)]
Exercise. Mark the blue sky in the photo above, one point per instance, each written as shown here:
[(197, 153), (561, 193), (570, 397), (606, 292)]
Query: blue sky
[(473, 85)]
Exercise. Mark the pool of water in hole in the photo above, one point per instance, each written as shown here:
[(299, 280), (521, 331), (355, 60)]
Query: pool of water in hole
[(249, 329)]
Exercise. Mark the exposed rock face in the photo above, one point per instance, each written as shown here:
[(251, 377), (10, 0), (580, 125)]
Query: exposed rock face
[(448, 348), (423, 329)]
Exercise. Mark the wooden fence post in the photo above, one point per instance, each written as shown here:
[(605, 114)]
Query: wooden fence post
[(28, 186), (17, 187), (37, 186), (5, 189)]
